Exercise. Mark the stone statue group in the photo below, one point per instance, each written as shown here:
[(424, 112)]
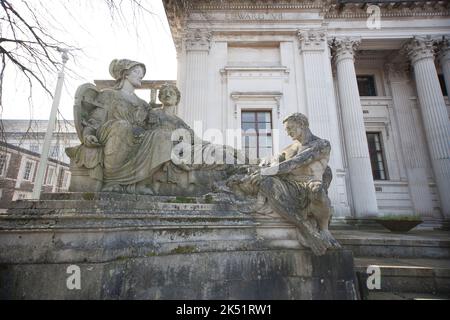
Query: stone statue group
[(128, 146)]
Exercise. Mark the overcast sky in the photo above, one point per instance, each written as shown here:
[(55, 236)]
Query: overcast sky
[(88, 25)]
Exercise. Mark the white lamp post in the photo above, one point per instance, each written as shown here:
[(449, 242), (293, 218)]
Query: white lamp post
[(50, 128)]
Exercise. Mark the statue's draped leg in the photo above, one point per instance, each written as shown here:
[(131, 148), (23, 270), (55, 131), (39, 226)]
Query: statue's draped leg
[(291, 200), (137, 164), (117, 137)]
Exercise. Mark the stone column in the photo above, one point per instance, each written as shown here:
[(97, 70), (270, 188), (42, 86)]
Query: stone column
[(181, 56), (413, 148), (444, 60), (196, 86), (434, 114), (360, 170), (321, 107)]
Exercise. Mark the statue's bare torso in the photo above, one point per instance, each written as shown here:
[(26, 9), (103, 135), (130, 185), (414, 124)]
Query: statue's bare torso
[(314, 170)]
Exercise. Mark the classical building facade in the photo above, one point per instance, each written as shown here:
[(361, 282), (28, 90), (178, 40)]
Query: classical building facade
[(371, 76), (29, 135)]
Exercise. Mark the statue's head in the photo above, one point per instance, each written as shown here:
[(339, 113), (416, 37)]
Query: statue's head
[(169, 95), (297, 126), (124, 69)]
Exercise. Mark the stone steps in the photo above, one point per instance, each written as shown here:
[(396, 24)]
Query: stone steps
[(121, 205), (429, 223), (424, 276), (411, 264), (90, 196), (122, 213), (81, 204), (146, 207), (384, 244), (93, 220)]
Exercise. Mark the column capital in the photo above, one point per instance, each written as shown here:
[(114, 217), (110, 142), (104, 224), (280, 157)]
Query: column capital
[(198, 40), (312, 39), (419, 48), (397, 71), (444, 49), (345, 47)]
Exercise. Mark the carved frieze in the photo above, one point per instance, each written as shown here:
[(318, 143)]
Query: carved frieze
[(255, 4), (337, 10)]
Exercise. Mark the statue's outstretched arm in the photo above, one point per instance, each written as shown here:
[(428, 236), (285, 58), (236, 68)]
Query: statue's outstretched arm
[(303, 158)]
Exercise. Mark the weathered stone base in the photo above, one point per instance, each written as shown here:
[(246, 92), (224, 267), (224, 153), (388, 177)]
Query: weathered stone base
[(143, 247), (285, 274)]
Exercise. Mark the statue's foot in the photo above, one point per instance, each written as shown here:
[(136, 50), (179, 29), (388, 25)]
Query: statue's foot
[(312, 239), (327, 236), (184, 167), (144, 190), (317, 246)]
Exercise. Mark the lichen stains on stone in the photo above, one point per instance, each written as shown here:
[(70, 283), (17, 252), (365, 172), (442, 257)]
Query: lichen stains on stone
[(151, 254), (88, 196), (209, 199), (183, 250), (181, 199)]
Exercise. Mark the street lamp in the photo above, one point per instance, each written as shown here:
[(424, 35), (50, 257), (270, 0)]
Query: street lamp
[(50, 128)]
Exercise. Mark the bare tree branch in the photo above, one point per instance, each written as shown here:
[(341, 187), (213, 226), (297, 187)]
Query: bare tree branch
[(29, 47)]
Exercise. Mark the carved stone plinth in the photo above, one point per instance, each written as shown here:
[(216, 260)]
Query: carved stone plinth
[(147, 247)]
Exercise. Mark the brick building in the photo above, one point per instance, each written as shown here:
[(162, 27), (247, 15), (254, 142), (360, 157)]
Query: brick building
[(29, 134), (18, 168)]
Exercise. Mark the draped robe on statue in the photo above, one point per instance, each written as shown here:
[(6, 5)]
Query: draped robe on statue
[(131, 151), (135, 141)]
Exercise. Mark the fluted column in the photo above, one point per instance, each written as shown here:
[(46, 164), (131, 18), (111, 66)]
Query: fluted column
[(196, 86), (434, 114), (412, 146), (321, 107), (360, 171), (181, 68), (444, 60)]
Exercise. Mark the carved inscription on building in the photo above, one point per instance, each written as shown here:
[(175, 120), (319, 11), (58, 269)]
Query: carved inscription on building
[(251, 16)]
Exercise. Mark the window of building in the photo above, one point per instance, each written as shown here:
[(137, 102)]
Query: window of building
[(4, 161), (54, 152), (50, 176), (28, 171), (366, 85), (442, 83), (66, 180), (34, 147), (376, 155), (256, 133)]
